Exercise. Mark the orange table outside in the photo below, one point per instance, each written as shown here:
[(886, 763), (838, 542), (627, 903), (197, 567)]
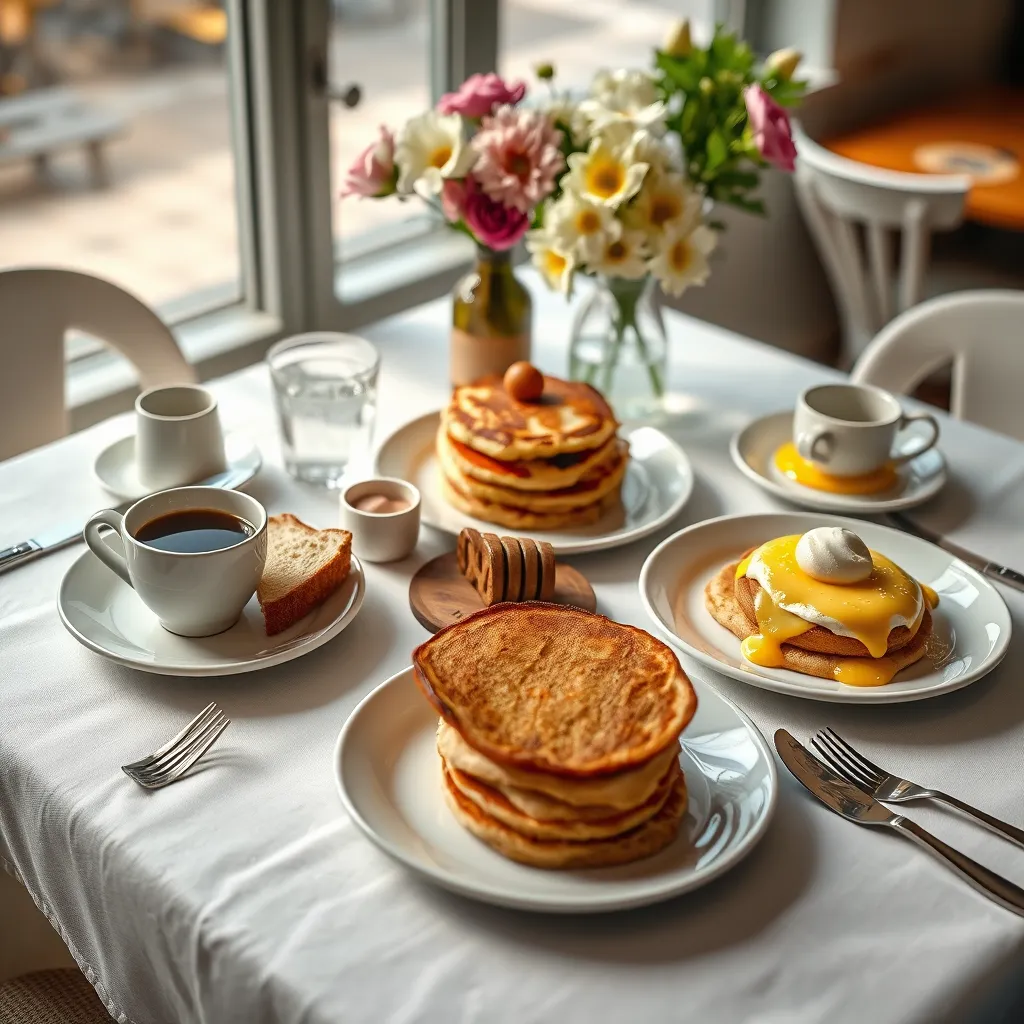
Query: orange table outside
[(993, 118)]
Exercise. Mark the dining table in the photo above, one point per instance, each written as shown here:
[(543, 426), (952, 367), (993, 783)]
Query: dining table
[(979, 133), (245, 893)]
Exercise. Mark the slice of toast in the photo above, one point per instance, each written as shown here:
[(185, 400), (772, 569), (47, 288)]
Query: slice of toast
[(304, 567)]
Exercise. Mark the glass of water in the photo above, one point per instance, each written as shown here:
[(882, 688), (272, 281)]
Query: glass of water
[(325, 389)]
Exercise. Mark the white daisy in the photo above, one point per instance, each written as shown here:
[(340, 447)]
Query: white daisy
[(624, 256), (608, 173), (664, 201), (556, 264), (429, 149), (682, 258), (582, 227), (625, 95)]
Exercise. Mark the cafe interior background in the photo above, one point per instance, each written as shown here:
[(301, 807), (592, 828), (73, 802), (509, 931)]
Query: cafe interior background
[(193, 154)]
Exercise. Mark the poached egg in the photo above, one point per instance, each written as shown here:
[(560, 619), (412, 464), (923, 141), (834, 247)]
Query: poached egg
[(866, 607)]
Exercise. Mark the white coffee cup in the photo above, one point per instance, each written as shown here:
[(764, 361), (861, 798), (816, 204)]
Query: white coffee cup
[(190, 593), (850, 429), (178, 437)]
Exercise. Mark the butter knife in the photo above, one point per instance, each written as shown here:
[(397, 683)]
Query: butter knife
[(57, 537), (1002, 573), (855, 805)]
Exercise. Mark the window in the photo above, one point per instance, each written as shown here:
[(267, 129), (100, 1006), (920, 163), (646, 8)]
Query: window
[(115, 148)]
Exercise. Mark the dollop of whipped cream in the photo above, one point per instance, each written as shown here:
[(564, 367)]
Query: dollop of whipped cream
[(833, 555)]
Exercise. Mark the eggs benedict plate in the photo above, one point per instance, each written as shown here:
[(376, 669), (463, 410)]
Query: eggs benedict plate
[(822, 607)]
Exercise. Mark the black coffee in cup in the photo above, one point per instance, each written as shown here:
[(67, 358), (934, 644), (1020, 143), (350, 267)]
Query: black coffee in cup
[(194, 531)]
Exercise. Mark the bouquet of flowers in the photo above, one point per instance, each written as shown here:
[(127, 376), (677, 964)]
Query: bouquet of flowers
[(727, 112), (482, 159)]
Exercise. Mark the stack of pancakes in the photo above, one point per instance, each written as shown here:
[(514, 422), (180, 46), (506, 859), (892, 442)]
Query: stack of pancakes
[(542, 465), (559, 733)]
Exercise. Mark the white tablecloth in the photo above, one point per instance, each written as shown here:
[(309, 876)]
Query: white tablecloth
[(245, 893)]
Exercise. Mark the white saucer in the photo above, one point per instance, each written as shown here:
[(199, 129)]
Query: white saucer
[(971, 625), (659, 479), (115, 465), (389, 778), (753, 448), (104, 614)]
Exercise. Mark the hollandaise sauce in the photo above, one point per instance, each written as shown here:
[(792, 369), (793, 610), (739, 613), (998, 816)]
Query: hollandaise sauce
[(791, 464), (790, 602)]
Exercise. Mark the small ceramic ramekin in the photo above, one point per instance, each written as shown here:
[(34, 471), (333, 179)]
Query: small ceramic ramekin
[(382, 536)]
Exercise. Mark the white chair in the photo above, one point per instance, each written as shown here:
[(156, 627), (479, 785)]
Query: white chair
[(37, 308), (978, 334), (855, 213)]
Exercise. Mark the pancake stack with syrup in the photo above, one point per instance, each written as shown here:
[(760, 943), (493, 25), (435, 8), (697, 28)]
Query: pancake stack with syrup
[(547, 462), (559, 733)]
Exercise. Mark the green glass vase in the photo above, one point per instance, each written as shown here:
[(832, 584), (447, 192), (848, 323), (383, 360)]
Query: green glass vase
[(492, 316)]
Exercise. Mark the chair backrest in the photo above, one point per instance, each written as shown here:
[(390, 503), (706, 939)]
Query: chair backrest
[(37, 308), (979, 334), (855, 213)]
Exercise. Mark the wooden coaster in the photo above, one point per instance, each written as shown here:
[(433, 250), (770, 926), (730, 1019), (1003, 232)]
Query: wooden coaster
[(439, 594)]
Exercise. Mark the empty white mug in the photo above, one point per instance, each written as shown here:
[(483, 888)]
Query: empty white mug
[(178, 437), (190, 593), (850, 429)]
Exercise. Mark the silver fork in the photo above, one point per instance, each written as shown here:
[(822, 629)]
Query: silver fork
[(891, 789), (178, 755)]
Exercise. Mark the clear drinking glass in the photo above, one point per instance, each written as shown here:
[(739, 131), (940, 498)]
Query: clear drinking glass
[(325, 389)]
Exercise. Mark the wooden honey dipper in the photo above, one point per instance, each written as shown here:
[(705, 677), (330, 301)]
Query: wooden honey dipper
[(506, 568)]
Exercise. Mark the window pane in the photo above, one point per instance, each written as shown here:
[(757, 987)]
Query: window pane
[(383, 46), (580, 38), (115, 147)]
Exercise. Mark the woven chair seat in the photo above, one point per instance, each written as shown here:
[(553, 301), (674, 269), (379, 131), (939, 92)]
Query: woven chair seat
[(60, 996)]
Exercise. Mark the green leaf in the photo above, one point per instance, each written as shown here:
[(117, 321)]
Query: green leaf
[(680, 73), (749, 205), (717, 149), (739, 179)]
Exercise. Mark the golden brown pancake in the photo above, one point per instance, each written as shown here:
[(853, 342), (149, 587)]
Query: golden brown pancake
[(653, 835), (556, 689), (601, 481), (522, 519), (569, 417), (720, 599), (530, 789), (495, 803), (526, 474)]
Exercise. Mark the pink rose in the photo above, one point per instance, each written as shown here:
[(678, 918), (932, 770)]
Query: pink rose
[(372, 173), (453, 193), (480, 94), (493, 224), (769, 124)]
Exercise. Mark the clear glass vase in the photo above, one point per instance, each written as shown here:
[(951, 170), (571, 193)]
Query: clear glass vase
[(619, 346)]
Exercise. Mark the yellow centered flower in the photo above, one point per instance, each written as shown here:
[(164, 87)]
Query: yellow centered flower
[(440, 156), (616, 252), (605, 178), (666, 207), (554, 266), (680, 255), (587, 222)]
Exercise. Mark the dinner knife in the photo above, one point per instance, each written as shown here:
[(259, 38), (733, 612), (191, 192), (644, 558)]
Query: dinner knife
[(1010, 577), (855, 805), (57, 537)]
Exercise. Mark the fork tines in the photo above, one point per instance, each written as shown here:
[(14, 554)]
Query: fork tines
[(852, 766), (179, 754)]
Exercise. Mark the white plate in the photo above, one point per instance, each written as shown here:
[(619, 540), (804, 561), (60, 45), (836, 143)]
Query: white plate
[(116, 471), (658, 482), (753, 448), (971, 626), (389, 778), (104, 614)]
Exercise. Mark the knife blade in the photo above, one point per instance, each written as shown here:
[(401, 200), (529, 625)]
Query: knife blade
[(56, 537), (854, 804), (994, 570)]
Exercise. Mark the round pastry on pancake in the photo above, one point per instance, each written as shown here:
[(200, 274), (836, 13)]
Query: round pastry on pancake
[(521, 519), (569, 417), (496, 804), (556, 689), (859, 630), (596, 485), (550, 474), (643, 841), (542, 794)]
